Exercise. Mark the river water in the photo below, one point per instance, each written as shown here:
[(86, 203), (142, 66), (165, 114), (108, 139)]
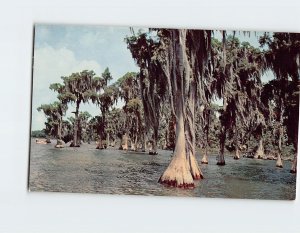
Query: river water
[(110, 171)]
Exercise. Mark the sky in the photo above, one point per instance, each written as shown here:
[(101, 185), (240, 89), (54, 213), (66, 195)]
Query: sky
[(60, 50)]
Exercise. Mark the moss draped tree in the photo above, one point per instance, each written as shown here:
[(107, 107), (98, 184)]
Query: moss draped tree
[(283, 59), (54, 113), (76, 89)]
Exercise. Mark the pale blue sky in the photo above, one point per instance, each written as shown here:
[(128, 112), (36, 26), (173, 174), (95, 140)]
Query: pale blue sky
[(60, 50)]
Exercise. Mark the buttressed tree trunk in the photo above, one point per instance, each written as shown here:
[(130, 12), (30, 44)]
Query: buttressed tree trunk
[(60, 143), (134, 143), (125, 147), (205, 158), (259, 154), (153, 150), (101, 132), (178, 173), (100, 143), (190, 135), (279, 161)]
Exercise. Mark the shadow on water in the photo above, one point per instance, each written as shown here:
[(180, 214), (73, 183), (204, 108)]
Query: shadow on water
[(111, 171)]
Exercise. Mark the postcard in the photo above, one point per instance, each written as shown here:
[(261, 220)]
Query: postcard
[(164, 112)]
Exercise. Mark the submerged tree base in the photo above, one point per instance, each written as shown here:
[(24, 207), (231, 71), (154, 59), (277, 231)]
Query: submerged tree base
[(72, 145), (153, 153), (204, 160), (60, 144), (174, 183), (279, 162), (222, 163), (198, 176)]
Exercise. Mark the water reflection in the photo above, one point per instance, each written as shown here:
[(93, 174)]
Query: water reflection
[(110, 171)]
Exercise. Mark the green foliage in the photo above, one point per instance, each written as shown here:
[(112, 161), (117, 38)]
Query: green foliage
[(230, 70), (38, 134)]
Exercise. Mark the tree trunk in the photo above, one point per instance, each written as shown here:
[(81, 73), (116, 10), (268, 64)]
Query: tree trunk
[(107, 140), (165, 146), (279, 161), (144, 143), (134, 143), (113, 144), (295, 142), (190, 135), (259, 154), (100, 143), (294, 164), (125, 147), (75, 139), (179, 77), (121, 143), (237, 150), (153, 150), (205, 158), (280, 136), (177, 174), (60, 143), (221, 159)]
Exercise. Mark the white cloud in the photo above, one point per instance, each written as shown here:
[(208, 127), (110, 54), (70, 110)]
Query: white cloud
[(49, 65), (91, 39)]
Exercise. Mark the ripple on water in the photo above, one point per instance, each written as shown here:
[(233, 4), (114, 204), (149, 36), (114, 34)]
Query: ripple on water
[(110, 171)]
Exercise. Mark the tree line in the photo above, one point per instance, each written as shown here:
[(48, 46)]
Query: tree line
[(171, 102)]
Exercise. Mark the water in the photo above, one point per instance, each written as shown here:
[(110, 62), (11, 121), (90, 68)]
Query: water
[(87, 170)]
